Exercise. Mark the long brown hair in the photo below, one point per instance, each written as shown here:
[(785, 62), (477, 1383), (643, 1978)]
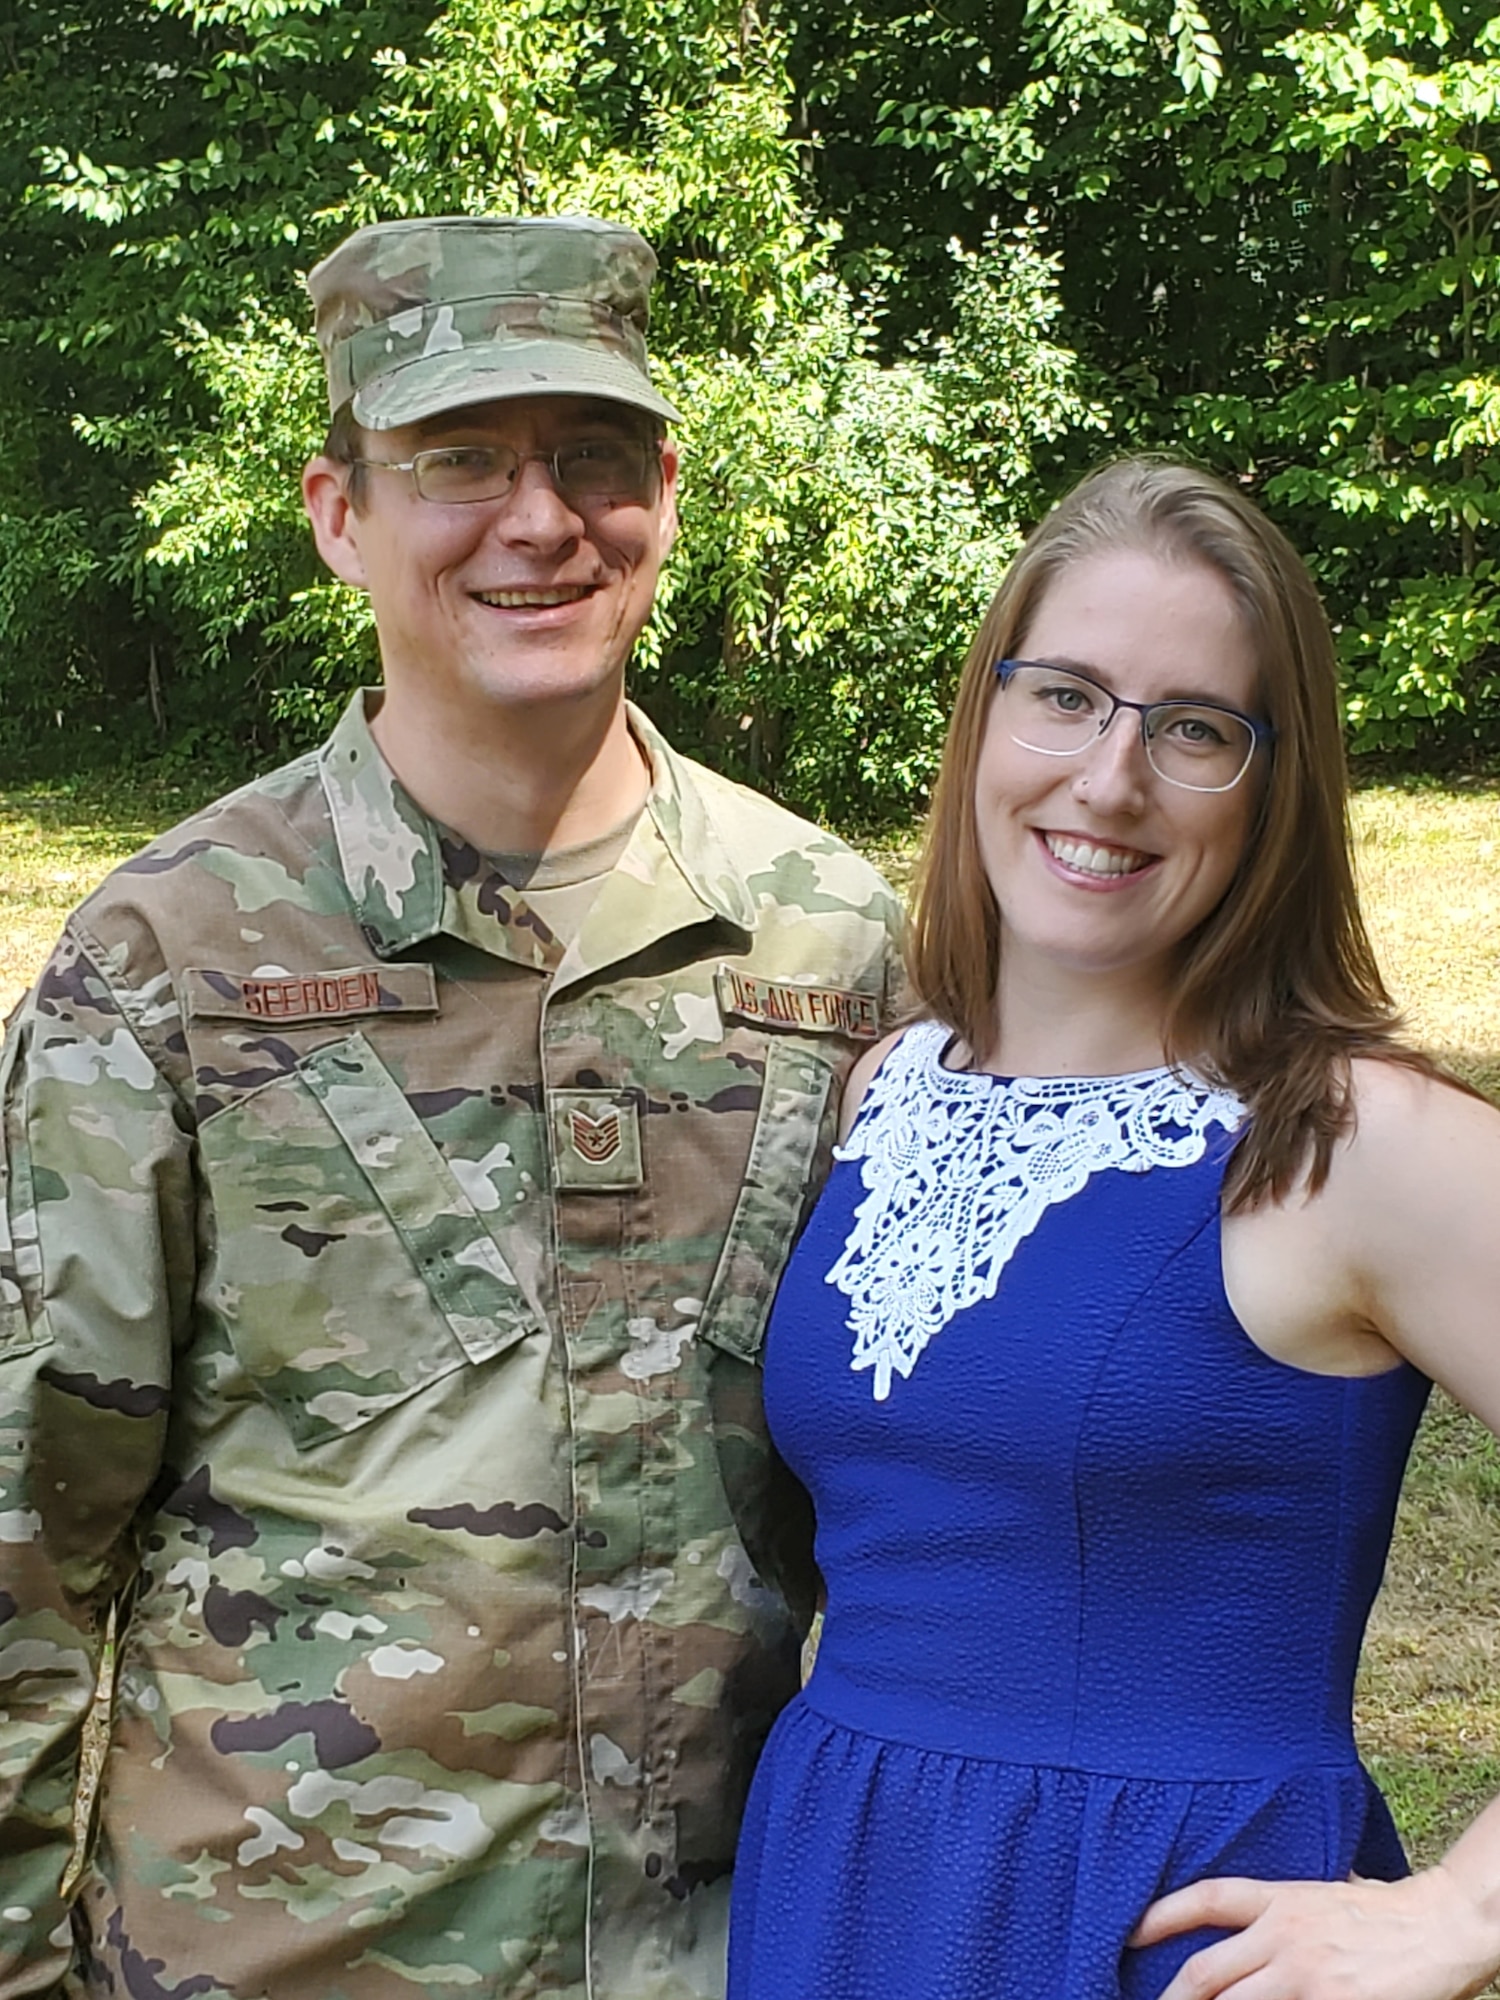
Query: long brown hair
[(1278, 987)]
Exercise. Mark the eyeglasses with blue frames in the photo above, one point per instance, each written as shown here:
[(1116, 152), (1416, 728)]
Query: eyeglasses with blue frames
[(590, 471), (1200, 745)]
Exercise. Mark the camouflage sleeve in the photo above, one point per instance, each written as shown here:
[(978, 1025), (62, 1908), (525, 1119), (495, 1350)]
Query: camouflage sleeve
[(897, 997), (96, 1255)]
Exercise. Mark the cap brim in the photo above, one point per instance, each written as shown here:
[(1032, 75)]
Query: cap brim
[(495, 372)]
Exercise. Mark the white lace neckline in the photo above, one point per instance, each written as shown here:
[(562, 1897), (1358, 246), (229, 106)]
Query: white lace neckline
[(959, 1168)]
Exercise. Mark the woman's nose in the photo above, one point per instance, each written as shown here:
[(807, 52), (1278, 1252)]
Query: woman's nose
[(1114, 772)]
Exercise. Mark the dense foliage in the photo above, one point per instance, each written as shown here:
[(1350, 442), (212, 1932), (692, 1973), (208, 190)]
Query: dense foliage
[(919, 266)]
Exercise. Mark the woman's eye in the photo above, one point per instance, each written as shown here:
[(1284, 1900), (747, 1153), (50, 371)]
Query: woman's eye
[(1070, 700), (1197, 732)]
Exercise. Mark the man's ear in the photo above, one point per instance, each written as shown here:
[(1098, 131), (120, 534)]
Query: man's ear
[(335, 524), (669, 464)]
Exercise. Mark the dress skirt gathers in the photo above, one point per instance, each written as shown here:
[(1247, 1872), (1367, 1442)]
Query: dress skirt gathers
[(1098, 1568)]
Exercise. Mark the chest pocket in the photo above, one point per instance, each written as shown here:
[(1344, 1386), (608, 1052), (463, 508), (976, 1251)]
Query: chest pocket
[(789, 1155), (351, 1268)]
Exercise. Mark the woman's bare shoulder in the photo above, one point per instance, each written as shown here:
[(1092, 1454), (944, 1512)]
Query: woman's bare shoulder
[(1412, 1144), (1398, 1109), (1396, 1253)]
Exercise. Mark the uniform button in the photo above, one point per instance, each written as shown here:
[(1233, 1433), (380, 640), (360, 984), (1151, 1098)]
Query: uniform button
[(653, 1866)]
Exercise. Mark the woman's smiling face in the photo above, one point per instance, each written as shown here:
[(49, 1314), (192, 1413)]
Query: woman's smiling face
[(1099, 865)]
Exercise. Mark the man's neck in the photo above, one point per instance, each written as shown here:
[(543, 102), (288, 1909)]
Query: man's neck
[(533, 781)]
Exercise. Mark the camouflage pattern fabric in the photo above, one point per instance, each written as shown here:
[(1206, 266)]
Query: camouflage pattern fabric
[(384, 1498), (438, 311)]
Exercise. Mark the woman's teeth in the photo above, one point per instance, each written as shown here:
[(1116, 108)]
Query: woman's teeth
[(1090, 860)]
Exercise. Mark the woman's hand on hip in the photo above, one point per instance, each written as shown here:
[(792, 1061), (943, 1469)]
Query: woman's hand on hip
[(1424, 1938)]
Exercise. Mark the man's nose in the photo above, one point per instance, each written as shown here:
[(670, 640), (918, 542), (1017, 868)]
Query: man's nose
[(536, 508)]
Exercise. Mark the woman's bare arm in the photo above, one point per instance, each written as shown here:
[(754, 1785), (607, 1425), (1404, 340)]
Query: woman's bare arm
[(1399, 1254)]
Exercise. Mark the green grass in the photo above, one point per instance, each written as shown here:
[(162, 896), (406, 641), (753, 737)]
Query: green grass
[(1429, 1697), (56, 843), (1429, 1694)]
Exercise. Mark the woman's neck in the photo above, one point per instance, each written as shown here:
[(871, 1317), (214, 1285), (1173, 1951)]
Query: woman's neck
[(1054, 1021)]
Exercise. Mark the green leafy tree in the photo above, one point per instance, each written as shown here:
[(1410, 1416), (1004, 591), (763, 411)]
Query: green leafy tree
[(847, 521), (847, 511), (1399, 107), (161, 163), (1277, 231)]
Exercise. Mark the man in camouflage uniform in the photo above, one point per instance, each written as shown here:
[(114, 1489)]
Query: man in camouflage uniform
[(399, 1158)]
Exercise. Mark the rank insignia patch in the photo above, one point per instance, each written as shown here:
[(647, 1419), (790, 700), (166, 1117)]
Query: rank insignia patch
[(596, 1140)]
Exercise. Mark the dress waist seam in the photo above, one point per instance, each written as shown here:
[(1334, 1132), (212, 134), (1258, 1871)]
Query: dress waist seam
[(1347, 1761)]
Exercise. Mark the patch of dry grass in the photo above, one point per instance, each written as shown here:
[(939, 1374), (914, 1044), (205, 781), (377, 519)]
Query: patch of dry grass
[(55, 846), (1429, 1702), (1429, 864)]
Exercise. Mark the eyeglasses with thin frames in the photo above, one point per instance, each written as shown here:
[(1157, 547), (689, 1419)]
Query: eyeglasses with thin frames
[(590, 471), (1201, 746)]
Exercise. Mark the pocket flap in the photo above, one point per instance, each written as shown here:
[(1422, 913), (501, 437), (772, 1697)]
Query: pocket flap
[(461, 1263), (779, 1181), (351, 1268)]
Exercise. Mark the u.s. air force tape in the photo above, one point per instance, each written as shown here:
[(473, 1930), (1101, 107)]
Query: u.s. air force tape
[(786, 1003)]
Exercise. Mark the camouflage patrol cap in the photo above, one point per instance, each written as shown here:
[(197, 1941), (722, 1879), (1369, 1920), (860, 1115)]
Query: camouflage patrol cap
[(437, 312)]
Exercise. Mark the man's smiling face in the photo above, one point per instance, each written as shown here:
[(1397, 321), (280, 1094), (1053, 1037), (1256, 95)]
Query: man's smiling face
[(527, 599)]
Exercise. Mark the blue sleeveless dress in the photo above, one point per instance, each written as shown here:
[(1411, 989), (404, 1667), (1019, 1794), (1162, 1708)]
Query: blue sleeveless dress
[(1098, 1568)]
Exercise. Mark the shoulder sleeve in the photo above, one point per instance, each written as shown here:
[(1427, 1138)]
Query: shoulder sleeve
[(96, 1258), (896, 998)]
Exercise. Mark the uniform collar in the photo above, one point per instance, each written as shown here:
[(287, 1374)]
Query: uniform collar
[(679, 812), (392, 859)]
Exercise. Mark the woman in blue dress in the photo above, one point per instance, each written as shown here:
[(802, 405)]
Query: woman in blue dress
[(1103, 1351)]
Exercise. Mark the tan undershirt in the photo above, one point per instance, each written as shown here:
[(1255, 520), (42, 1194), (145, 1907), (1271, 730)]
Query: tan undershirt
[(561, 884)]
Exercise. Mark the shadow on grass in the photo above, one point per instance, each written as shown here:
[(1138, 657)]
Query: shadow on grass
[(106, 812), (1370, 773)]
